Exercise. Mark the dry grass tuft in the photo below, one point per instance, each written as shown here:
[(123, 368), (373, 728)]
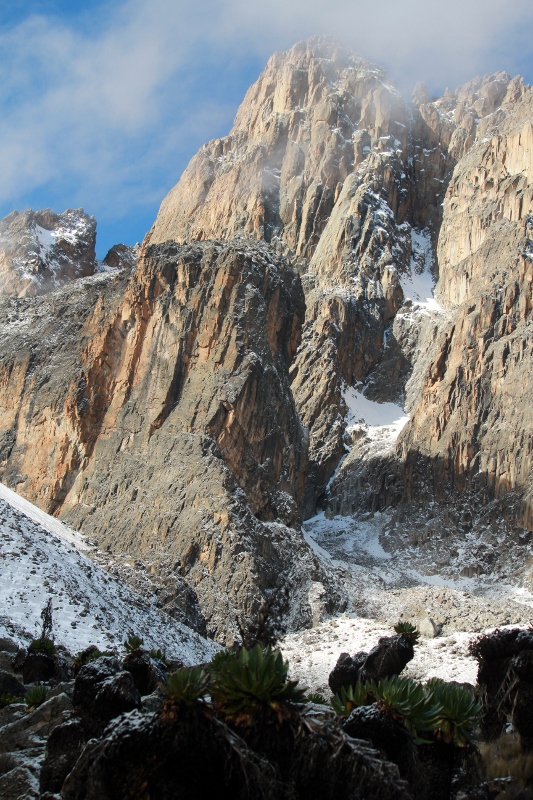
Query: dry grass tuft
[(504, 758)]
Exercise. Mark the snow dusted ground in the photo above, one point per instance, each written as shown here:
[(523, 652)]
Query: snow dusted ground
[(42, 558), (312, 654)]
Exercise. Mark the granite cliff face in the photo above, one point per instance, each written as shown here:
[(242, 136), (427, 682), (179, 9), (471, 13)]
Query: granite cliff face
[(170, 428), (461, 468), (192, 406), (473, 416), (327, 163)]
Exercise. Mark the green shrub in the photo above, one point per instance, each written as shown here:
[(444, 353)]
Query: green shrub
[(88, 655), (407, 701), (42, 645), (187, 686), (317, 698), (254, 683), (459, 711), (409, 631), (7, 699), (133, 643), (35, 696), (349, 698), (159, 655)]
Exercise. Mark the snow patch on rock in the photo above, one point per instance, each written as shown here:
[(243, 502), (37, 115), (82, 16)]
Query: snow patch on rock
[(419, 284), (379, 423)]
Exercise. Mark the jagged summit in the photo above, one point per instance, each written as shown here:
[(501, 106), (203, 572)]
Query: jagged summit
[(289, 149), (41, 250)]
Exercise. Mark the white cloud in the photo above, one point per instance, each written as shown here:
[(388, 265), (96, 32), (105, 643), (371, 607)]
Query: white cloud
[(103, 107), (442, 43)]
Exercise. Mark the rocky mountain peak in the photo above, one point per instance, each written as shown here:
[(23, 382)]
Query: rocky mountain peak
[(41, 250), (296, 137), (332, 311)]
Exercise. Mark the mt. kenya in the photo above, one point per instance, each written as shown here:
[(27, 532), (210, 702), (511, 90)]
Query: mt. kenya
[(307, 392)]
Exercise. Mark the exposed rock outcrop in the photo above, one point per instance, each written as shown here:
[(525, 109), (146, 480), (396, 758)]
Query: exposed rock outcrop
[(41, 250), (327, 162), (179, 435), (122, 256)]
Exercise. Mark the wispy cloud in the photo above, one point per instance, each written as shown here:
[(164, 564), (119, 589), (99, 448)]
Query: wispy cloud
[(442, 43), (109, 106)]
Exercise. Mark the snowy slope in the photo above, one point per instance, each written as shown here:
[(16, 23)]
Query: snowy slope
[(42, 558)]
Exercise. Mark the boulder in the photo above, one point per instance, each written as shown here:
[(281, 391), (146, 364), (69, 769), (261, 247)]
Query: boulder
[(63, 749), (428, 628), (346, 671), (165, 755), (38, 667), (6, 661), (8, 646), (31, 728), (386, 734), (10, 685), (387, 658), (102, 691), (146, 674), (115, 695), (62, 668), (88, 678), (19, 784), (149, 755), (18, 660)]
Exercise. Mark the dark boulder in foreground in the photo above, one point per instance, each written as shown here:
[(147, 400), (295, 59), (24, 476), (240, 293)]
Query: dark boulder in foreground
[(190, 753), (387, 658)]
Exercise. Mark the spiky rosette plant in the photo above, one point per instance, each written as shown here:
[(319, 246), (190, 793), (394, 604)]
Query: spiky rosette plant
[(408, 630), (186, 686), (91, 653), (44, 643), (44, 646), (459, 712), (219, 660), (35, 697), (317, 698), (254, 684), (349, 698), (409, 702), (159, 655), (133, 643)]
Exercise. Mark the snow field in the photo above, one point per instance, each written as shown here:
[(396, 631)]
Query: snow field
[(313, 653)]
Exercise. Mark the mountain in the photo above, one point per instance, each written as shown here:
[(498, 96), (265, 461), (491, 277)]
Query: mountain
[(41, 250), (42, 558), (331, 313)]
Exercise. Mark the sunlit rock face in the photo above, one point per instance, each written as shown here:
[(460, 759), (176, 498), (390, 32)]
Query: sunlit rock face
[(41, 250), (329, 164), (279, 345), (153, 410)]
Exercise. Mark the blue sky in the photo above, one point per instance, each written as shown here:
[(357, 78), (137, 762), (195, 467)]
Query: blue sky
[(103, 104)]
